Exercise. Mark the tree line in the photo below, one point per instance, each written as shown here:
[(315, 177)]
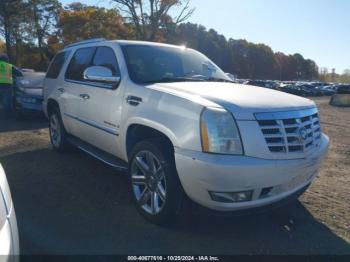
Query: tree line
[(35, 30)]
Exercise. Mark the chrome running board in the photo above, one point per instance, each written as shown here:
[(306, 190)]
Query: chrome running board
[(97, 153)]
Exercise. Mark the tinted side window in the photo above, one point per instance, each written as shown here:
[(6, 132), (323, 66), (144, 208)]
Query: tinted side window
[(56, 65), (105, 57), (80, 61)]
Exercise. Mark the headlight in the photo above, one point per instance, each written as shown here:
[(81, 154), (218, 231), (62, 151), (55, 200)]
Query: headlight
[(20, 88), (24, 82), (219, 132)]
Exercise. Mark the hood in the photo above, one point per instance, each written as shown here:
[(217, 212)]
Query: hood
[(37, 92), (32, 83), (242, 100)]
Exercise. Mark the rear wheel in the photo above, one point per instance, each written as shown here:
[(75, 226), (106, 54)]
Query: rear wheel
[(58, 134), (156, 188)]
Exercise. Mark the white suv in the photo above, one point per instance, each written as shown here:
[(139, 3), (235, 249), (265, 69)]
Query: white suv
[(176, 122)]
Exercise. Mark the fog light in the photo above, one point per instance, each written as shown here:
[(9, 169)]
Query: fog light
[(231, 197)]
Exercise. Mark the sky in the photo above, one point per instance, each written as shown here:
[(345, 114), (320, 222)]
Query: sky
[(317, 29)]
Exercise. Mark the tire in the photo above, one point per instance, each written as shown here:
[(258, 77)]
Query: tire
[(58, 134), (158, 195)]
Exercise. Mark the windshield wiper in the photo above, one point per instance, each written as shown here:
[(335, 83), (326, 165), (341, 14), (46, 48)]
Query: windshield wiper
[(174, 79), (211, 78)]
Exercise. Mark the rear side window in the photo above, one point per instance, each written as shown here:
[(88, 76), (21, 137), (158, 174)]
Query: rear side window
[(79, 62), (56, 65), (105, 57)]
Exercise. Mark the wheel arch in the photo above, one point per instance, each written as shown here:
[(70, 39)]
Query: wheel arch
[(51, 104), (138, 132)]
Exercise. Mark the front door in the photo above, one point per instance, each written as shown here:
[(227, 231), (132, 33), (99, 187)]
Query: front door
[(73, 88), (100, 104)]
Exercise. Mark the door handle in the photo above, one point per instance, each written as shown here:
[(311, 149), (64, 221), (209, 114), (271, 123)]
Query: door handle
[(61, 90), (84, 96)]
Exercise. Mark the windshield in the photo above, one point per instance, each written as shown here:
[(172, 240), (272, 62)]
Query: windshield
[(152, 64)]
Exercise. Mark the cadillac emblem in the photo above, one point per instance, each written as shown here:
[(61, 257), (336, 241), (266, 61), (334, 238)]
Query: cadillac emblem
[(302, 133)]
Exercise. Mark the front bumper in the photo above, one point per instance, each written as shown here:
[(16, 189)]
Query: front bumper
[(200, 173), (30, 103)]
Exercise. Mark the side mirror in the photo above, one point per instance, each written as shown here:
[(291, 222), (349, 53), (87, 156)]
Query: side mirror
[(100, 74)]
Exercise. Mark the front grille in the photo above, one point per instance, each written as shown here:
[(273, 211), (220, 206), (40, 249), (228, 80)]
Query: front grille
[(290, 132)]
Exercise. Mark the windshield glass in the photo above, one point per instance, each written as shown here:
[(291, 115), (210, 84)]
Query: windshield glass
[(152, 64)]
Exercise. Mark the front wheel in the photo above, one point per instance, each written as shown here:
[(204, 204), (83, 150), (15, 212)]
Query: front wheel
[(156, 188)]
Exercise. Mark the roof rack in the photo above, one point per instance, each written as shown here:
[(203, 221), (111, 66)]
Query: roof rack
[(89, 41)]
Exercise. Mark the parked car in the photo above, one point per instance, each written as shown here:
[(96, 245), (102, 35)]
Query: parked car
[(9, 244), (255, 83), (264, 83), (176, 124), (343, 89), (28, 93), (328, 90), (312, 90), (291, 89), (296, 90)]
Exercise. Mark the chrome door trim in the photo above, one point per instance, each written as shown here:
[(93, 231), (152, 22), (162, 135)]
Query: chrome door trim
[(93, 124), (92, 84)]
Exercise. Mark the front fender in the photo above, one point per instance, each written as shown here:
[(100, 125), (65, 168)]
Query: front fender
[(176, 118)]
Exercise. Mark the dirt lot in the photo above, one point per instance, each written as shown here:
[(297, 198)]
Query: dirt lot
[(72, 204)]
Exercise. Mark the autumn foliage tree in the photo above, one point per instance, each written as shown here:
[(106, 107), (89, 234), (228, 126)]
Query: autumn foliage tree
[(35, 30), (43, 18), (243, 58), (2, 46), (149, 17), (79, 22), (10, 18)]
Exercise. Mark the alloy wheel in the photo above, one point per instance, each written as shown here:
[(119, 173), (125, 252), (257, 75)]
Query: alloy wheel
[(55, 130), (148, 182)]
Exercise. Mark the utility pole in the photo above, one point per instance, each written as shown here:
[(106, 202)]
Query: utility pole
[(333, 75)]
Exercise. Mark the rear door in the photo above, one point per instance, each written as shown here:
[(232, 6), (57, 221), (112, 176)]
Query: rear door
[(54, 84), (101, 105)]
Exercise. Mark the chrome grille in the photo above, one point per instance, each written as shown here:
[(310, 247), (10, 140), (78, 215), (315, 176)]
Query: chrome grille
[(290, 132)]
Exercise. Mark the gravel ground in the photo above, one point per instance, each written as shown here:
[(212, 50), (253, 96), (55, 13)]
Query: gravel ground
[(329, 197), (73, 204)]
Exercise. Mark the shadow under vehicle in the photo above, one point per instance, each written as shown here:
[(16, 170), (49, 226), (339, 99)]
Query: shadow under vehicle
[(64, 221)]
